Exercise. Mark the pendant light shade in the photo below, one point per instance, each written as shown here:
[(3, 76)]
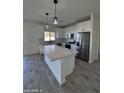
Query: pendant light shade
[(55, 21), (47, 26)]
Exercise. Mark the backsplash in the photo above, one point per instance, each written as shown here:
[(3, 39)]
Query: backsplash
[(57, 40)]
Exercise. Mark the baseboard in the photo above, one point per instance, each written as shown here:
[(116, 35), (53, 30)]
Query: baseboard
[(30, 54), (93, 61)]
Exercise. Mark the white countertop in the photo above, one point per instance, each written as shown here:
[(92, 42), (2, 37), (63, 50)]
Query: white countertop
[(55, 52)]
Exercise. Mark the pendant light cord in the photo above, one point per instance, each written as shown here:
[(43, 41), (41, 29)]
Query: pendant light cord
[(47, 19), (55, 10)]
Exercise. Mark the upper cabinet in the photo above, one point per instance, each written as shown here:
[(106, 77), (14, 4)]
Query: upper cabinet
[(80, 27), (70, 29), (85, 26)]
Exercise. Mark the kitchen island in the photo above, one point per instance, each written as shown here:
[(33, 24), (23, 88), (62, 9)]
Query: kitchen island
[(60, 60)]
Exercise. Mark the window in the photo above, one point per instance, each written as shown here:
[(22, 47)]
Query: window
[(49, 36)]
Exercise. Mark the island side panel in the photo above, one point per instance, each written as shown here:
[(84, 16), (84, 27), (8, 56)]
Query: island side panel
[(55, 67), (68, 65)]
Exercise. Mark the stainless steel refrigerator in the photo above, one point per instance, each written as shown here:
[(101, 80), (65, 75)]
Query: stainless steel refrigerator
[(83, 40)]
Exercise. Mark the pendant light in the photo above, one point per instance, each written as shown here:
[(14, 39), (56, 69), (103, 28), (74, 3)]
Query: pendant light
[(47, 26), (55, 18)]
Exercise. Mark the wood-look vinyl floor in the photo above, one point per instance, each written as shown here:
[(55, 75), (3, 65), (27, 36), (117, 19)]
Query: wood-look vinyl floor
[(37, 76)]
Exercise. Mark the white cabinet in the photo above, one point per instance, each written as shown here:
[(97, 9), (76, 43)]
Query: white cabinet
[(69, 30), (80, 27), (84, 26), (87, 26)]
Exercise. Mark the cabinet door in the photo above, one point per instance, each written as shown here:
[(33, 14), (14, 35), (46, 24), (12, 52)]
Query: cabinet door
[(87, 26), (80, 27), (84, 26)]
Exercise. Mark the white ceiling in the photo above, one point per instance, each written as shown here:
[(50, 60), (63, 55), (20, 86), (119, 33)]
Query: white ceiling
[(68, 11)]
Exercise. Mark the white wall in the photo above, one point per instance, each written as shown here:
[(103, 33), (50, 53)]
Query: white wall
[(59, 32), (95, 39), (31, 34)]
